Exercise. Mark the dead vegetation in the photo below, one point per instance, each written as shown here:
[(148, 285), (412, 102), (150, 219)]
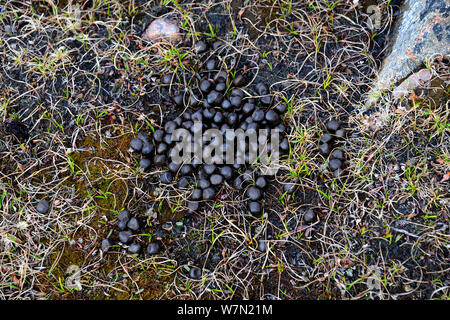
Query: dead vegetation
[(78, 82)]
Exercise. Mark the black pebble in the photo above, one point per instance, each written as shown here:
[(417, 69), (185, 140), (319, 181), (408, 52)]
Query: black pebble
[(205, 86), (166, 79), (160, 159), (170, 126), (309, 216), (209, 169), (261, 182), (238, 183), (326, 138), (221, 87), (255, 207), (147, 148), (340, 133), (262, 245), (335, 164), (337, 154), (235, 101), (216, 179), (266, 100), (158, 135), (173, 167), (258, 115), (125, 236), (144, 164), (212, 97), (162, 148), (123, 218), (195, 273), (284, 145), (262, 89), (280, 108), (43, 206), (153, 248), (238, 81), (272, 117), (324, 149), (289, 188), (193, 206), (166, 178), (178, 99), (203, 183), (248, 108), (200, 47), (183, 183), (133, 224), (106, 244), (333, 125), (226, 172), (226, 105), (136, 144), (237, 92), (211, 64), (196, 194), (254, 193), (186, 169), (134, 248), (209, 194), (232, 119)]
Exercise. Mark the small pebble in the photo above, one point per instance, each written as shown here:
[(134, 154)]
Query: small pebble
[(134, 248), (326, 138), (136, 144), (255, 207), (158, 135), (144, 164), (254, 193), (125, 236), (337, 154), (166, 178), (209, 194), (216, 179), (43, 206), (200, 47), (335, 164), (153, 248), (324, 149), (196, 194), (333, 125), (106, 245), (262, 245), (261, 182), (195, 273), (309, 216), (226, 172), (133, 224)]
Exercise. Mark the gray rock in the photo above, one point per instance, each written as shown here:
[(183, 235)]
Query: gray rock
[(43, 206), (136, 144), (133, 224), (106, 245), (153, 248), (335, 164), (309, 216), (134, 248), (421, 32), (123, 218), (195, 273), (254, 193), (262, 245), (125, 236), (255, 207)]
